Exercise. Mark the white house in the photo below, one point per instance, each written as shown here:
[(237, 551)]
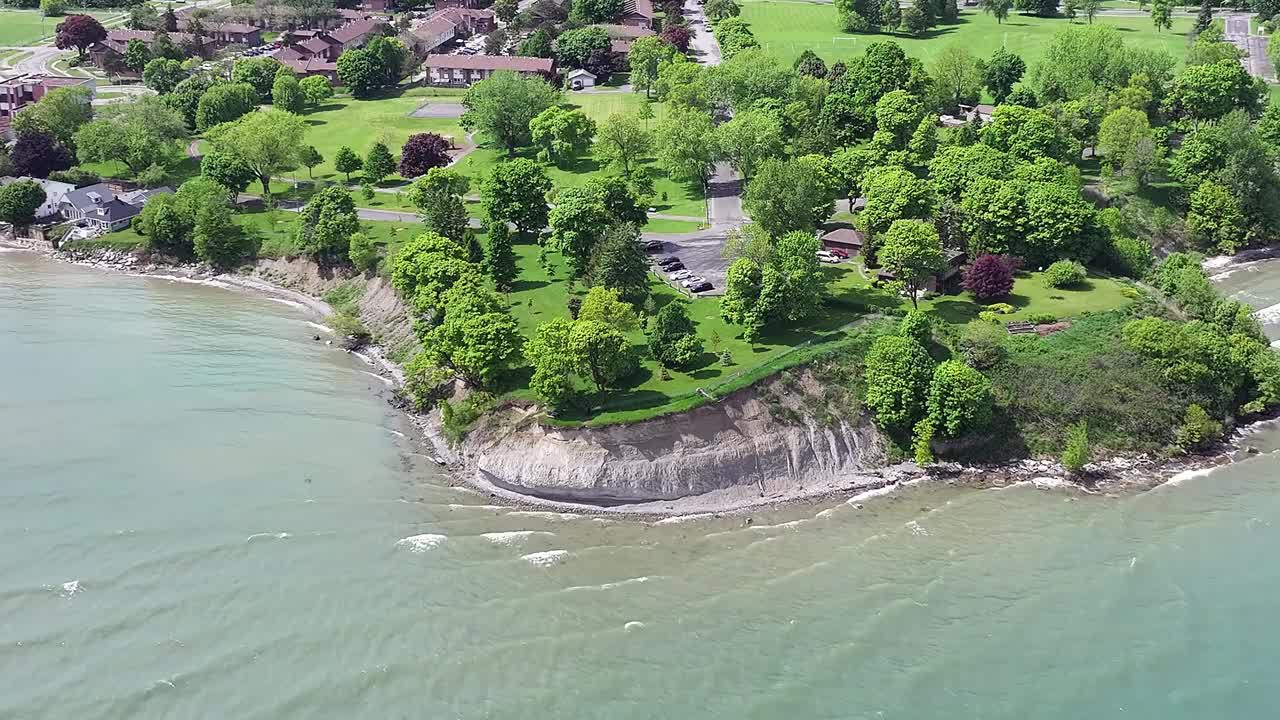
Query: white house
[(579, 79), (54, 192)]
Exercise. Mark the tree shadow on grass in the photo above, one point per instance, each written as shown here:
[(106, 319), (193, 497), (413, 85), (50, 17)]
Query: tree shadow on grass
[(526, 285)]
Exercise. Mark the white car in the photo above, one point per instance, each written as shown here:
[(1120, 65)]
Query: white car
[(827, 257), (680, 275), (691, 281)]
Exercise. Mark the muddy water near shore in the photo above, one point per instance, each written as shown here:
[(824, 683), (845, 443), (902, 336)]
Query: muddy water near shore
[(205, 513)]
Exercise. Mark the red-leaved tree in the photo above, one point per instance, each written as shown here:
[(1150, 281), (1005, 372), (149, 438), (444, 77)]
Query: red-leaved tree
[(79, 32), (677, 36), (989, 278), (421, 152)]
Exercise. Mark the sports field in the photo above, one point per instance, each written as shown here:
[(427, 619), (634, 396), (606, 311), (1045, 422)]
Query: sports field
[(27, 27), (785, 28)]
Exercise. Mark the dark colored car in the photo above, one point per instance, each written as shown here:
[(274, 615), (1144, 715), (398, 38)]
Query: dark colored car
[(843, 255), (676, 266), (672, 260), (701, 287), (654, 245)]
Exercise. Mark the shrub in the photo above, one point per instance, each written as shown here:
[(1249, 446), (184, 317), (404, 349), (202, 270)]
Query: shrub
[(1197, 429), (990, 276), (1076, 454), (458, 417), (960, 400), (897, 375), (988, 316), (982, 345), (917, 326), (425, 383), (1042, 318), (1064, 273), (1130, 257), (347, 326), (1002, 308), (363, 253), (76, 176)]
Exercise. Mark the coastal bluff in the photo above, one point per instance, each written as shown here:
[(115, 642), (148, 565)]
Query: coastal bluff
[(735, 444)]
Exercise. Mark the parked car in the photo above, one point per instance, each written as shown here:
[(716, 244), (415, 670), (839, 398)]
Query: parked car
[(827, 257), (674, 268), (669, 260), (701, 287), (654, 246), (680, 274), (842, 254), (692, 280)]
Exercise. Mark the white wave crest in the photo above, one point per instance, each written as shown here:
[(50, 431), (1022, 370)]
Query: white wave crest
[(916, 529), (514, 537), (290, 303), (610, 585), (387, 381), (677, 519), (546, 558), (1269, 314), (70, 588), (278, 536), (460, 506), (633, 625), (1191, 475), (421, 543), (318, 326)]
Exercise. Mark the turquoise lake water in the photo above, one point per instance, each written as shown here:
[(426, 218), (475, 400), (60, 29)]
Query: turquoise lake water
[(205, 514)]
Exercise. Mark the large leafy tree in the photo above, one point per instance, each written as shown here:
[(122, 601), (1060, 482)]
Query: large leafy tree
[(1001, 73), (897, 372), (516, 192), (286, 94), (1026, 134), (1215, 218), (316, 89), (379, 163), (326, 224), (19, 202), (136, 55), (576, 48), (503, 105), (554, 365), (163, 75), (227, 171), (424, 268), (368, 70), (258, 73), (79, 32), (603, 351), (438, 195), (646, 54), (618, 262), (478, 338), (788, 195), (957, 167), (217, 239), (422, 152), (141, 134), (223, 103), (960, 399), (59, 114), (623, 141), (578, 221), (989, 278), (748, 139), (500, 257), (957, 75), (895, 194), (596, 11), (912, 251), (1208, 92), (267, 142), (673, 340), (686, 144), (561, 134), (785, 288)]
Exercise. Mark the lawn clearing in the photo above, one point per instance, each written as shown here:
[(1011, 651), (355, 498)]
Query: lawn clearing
[(28, 27), (785, 29)]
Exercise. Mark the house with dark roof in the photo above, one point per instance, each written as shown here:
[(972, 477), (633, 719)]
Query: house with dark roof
[(441, 28), (637, 13), (466, 70), (103, 207), (473, 4), (844, 238), (232, 33), (621, 36), (316, 52)]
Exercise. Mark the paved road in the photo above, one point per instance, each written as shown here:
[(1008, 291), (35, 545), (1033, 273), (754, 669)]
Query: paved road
[(702, 44), (1256, 61)]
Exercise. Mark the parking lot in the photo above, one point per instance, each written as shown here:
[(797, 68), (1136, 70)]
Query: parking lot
[(700, 254)]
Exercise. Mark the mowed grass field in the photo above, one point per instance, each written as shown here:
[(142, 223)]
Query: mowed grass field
[(26, 27), (786, 28)]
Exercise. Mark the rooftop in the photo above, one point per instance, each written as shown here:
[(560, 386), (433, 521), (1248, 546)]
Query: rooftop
[(489, 62)]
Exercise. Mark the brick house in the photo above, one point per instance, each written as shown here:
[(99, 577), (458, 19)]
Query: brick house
[(232, 33), (466, 70), (445, 26), (20, 91), (637, 13)]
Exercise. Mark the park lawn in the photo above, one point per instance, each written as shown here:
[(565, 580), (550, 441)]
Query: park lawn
[(27, 27), (664, 226), (542, 294), (276, 231), (848, 283), (785, 29)]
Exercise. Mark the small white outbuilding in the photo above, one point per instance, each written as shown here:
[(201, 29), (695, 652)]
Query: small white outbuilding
[(579, 79)]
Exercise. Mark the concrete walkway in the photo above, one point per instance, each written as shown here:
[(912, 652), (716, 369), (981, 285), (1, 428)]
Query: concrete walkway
[(1254, 47)]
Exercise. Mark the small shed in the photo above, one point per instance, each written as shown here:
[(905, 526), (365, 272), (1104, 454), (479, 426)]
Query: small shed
[(845, 238), (579, 79)]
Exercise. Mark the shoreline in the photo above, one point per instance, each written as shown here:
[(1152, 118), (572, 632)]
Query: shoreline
[(1114, 475)]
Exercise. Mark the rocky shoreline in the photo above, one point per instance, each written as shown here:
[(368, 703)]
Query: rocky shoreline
[(1115, 475)]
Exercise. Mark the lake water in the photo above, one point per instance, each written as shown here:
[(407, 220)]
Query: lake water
[(206, 514)]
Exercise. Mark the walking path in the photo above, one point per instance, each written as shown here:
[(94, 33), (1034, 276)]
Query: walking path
[(1254, 47)]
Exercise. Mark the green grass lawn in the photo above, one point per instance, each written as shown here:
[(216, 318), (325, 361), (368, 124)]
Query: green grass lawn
[(849, 283), (27, 27), (785, 29)]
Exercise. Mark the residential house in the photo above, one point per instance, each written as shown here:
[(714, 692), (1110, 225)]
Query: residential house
[(105, 206), (316, 52), (637, 13), (19, 91), (621, 37), (471, 4), (441, 28), (233, 33), (578, 79), (938, 281), (843, 238), (466, 70), (54, 192), (109, 53)]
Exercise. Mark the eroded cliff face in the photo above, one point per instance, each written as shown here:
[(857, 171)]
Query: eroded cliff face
[(735, 443)]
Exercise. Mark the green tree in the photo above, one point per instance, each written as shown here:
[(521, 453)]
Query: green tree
[(673, 341), (500, 258), (578, 221), (267, 142), (163, 75), (1215, 218), (166, 227), (424, 268), (1198, 429), (224, 103), (140, 134), (19, 202), (897, 373), (960, 399), (362, 252), (1208, 92), (997, 8), (917, 326), (787, 195), (895, 194), (59, 114), (717, 10), (596, 11), (368, 70), (478, 339), (315, 89), (604, 351), (438, 196), (309, 157), (505, 10), (685, 140), (503, 106), (1161, 14), (604, 305), (623, 141), (619, 263), (516, 192), (748, 139), (1076, 454), (258, 73), (286, 94), (554, 365), (538, 44), (346, 161), (1122, 130), (1001, 72), (326, 224), (1026, 134), (912, 251), (646, 54), (957, 75), (378, 164), (217, 239), (136, 55), (562, 135)]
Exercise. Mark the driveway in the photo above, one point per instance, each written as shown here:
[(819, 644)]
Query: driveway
[(1255, 47), (703, 46)]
